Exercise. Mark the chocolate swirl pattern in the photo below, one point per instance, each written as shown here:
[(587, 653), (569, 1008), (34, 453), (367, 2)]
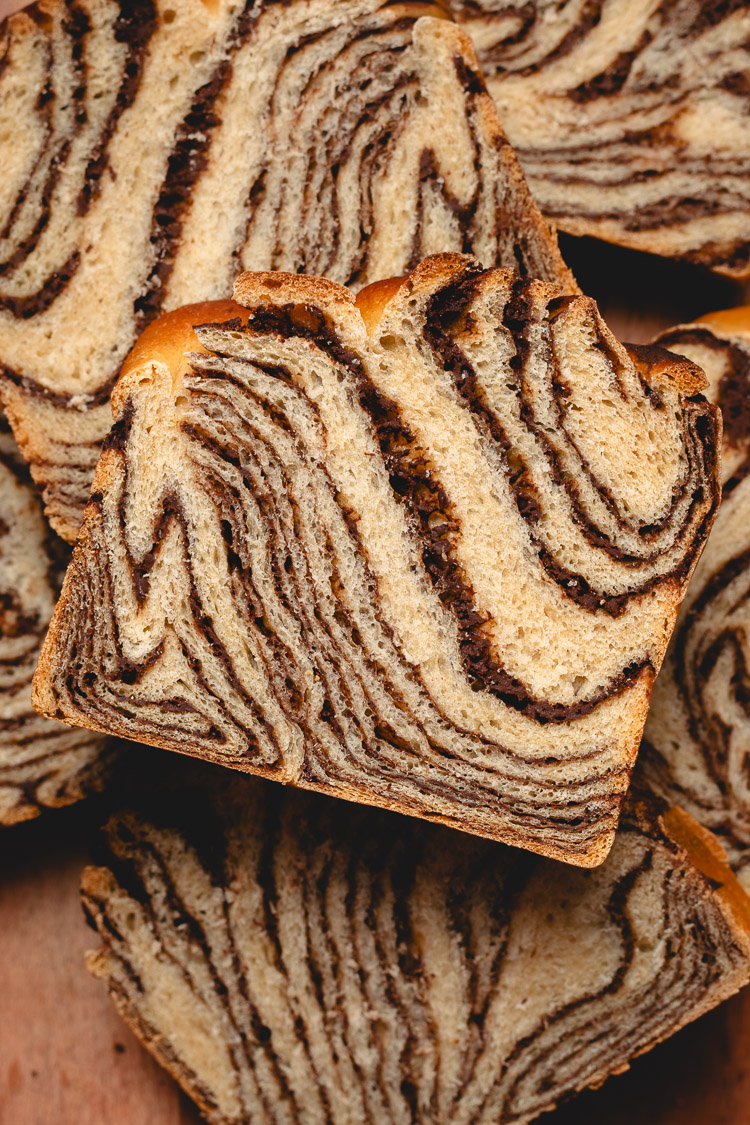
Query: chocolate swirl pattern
[(287, 959), (153, 149), (424, 553), (630, 120), (43, 764), (697, 749)]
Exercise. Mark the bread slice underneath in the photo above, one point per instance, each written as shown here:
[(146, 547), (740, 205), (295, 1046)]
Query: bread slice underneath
[(151, 150), (43, 764), (423, 552), (630, 120), (697, 741), (290, 958)]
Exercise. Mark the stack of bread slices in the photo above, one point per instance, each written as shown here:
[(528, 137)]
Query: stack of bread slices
[(366, 499)]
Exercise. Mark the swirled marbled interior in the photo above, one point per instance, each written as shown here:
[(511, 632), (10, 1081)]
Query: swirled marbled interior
[(630, 117), (697, 749), (150, 150), (290, 960), (426, 555)]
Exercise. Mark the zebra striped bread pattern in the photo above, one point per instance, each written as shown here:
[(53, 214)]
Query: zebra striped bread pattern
[(630, 120), (43, 764), (288, 959), (697, 747), (424, 553), (151, 150)]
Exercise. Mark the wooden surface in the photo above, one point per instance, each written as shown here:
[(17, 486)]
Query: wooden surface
[(67, 1059)]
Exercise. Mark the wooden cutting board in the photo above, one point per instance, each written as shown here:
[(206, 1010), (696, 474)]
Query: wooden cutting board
[(67, 1059)]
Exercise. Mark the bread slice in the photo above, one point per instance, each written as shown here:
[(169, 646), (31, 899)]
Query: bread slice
[(43, 764), (288, 958), (152, 150), (697, 748), (424, 553), (629, 120)]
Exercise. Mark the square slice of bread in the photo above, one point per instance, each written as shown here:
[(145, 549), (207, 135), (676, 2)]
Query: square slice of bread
[(287, 959), (424, 551)]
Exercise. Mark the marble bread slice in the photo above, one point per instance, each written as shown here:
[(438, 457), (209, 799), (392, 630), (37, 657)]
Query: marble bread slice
[(43, 764), (152, 149), (287, 958), (424, 551), (697, 740), (630, 119)]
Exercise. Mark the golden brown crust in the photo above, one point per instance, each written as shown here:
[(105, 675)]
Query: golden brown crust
[(373, 299), (659, 366), (252, 289), (419, 9), (168, 338), (728, 322), (706, 853)]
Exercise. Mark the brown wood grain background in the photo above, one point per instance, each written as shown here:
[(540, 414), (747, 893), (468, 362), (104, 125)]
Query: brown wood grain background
[(65, 1056)]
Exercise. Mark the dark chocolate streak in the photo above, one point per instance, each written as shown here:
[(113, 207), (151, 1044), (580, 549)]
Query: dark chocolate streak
[(611, 80), (134, 27), (98, 397), (189, 158), (23, 308)]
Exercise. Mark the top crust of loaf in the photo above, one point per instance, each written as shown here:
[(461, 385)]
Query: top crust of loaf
[(660, 366), (171, 337), (728, 322)]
